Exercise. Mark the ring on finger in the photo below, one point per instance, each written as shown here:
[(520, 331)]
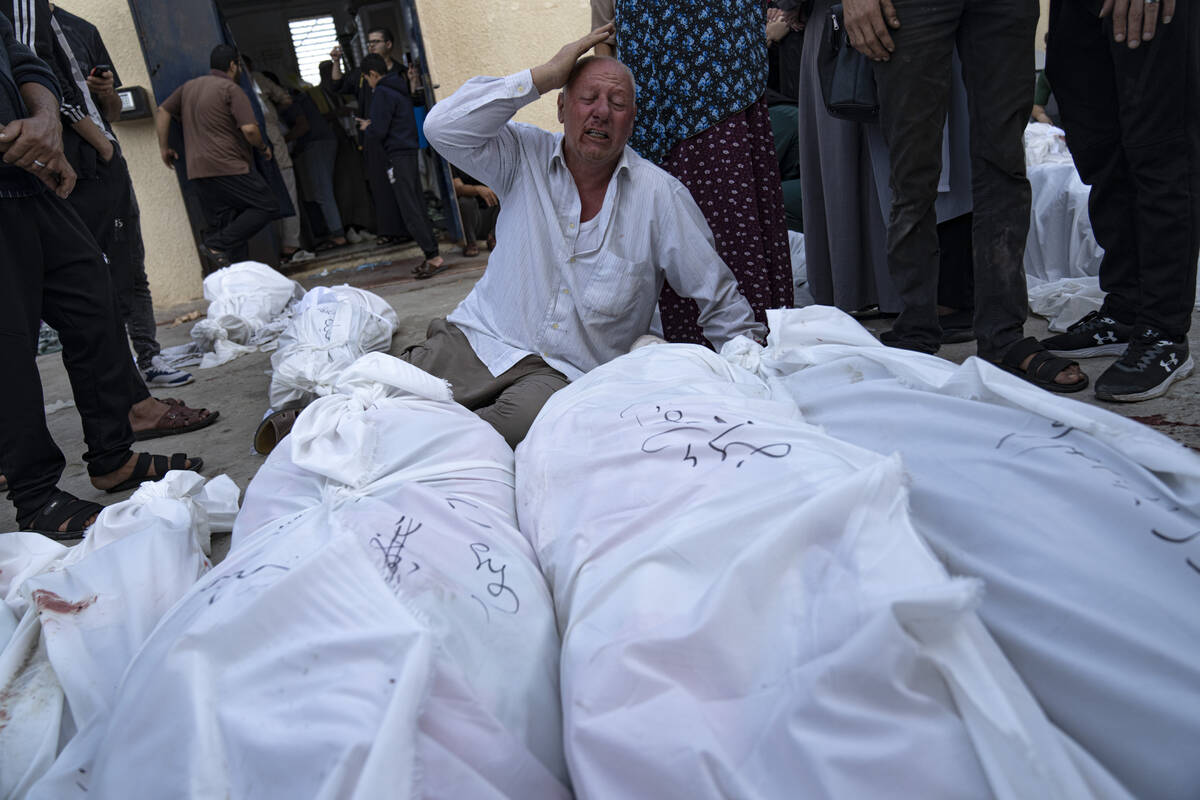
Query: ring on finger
[(39, 164)]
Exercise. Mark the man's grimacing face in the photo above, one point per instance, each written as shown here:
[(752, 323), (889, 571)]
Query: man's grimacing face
[(597, 113)]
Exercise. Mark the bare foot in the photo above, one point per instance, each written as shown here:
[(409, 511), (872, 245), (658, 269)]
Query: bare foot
[(1069, 376), (125, 472)]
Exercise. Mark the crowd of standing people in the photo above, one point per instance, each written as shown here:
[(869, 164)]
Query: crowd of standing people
[(660, 207)]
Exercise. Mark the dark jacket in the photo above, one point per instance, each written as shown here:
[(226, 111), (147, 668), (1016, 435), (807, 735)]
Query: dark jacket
[(392, 119), (18, 65)]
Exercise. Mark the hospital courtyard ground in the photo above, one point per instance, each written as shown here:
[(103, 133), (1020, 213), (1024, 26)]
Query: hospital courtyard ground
[(238, 389)]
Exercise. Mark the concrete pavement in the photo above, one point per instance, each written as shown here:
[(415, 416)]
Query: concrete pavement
[(239, 389)]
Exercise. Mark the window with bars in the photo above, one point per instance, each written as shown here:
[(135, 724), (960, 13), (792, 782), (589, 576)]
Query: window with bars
[(312, 39)]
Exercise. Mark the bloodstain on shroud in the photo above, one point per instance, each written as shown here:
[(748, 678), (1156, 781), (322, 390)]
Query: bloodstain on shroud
[(49, 601)]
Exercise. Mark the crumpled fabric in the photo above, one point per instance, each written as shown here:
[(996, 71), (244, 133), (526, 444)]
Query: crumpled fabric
[(73, 617), (247, 310), (1046, 144), (392, 637), (330, 329), (748, 608), (1081, 523)]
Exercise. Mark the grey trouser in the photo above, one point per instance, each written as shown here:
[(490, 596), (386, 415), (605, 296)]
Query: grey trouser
[(478, 223), (508, 402)]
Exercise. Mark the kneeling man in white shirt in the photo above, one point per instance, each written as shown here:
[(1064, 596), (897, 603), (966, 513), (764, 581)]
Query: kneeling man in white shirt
[(587, 234)]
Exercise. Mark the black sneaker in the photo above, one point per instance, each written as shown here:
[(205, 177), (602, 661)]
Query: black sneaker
[(1151, 363), (1094, 335)]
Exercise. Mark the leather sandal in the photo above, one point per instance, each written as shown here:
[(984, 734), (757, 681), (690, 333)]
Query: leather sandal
[(1042, 369), (274, 426), (426, 271), (149, 468), (62, 507), (179, 418)]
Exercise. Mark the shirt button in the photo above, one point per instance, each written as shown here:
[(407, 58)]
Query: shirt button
[(566, 291), (555, 326), (571, 260), (572, 225)]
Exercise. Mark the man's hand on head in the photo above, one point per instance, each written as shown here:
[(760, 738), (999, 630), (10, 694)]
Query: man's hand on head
[(1136, 21), (865, 25), (554, 73)]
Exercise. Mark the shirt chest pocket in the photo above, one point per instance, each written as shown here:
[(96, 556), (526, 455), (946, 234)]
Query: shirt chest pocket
[(613, 287)]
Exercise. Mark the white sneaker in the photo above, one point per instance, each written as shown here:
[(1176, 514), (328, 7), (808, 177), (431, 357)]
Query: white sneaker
[(160, 373), (353, 236), (301, 256)]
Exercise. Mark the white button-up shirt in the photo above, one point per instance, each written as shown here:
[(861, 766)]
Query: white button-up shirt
[(576, 302)]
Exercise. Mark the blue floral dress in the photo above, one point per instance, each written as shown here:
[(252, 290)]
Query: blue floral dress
[(695, 62), (701, 69)]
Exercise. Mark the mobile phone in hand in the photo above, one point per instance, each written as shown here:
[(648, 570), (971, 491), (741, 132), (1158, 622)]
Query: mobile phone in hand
[(99, 70)]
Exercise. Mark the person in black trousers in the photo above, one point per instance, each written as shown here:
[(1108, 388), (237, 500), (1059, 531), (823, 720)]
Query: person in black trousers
[(389, 223), (392, 123), (912, 45), (50, 268), (1130, 105)]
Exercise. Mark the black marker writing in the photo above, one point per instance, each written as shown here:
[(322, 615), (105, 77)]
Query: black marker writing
[(506, 599)]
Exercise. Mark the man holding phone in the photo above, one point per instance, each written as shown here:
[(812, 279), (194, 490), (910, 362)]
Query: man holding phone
[(105, 200)]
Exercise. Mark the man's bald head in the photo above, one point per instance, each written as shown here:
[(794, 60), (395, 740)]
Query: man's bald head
[(582, 65)]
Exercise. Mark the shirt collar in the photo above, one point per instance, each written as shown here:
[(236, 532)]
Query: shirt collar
[(557, 156), (220, 74)]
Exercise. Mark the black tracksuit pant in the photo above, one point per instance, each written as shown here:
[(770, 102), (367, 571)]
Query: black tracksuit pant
[(995, 42), (237, 207), (404, 176), (103, 201), (51, 269), (1132, 119)]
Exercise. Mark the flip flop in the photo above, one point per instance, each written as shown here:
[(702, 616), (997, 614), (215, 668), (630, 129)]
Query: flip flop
[(159, 465), (179, 418), (62, 507), (274, 426)]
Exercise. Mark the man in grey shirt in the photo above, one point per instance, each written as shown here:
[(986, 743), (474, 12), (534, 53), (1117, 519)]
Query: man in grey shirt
[(588, 233)]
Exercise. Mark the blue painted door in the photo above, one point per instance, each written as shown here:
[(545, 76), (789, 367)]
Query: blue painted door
[(177, 38)]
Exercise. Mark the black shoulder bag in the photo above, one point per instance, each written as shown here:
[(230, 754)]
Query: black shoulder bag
[(847, 76)]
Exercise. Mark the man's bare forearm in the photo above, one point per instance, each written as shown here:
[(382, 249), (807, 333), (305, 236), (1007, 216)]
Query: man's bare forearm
[(162, 126), (40, 101), (254, 137), (90, 132), (110, 106)]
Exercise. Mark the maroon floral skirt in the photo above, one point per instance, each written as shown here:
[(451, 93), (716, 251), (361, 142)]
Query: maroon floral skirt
[(731, 172)]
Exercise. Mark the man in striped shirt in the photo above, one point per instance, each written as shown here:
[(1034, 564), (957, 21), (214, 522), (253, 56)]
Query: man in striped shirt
[(588, 233)]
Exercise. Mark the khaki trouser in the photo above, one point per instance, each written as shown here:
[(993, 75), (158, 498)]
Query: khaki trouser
[(508, 402)]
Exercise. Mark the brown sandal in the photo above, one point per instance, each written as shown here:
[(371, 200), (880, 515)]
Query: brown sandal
[(178, 418), (274, 426), (471, 250), (427, 270)]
